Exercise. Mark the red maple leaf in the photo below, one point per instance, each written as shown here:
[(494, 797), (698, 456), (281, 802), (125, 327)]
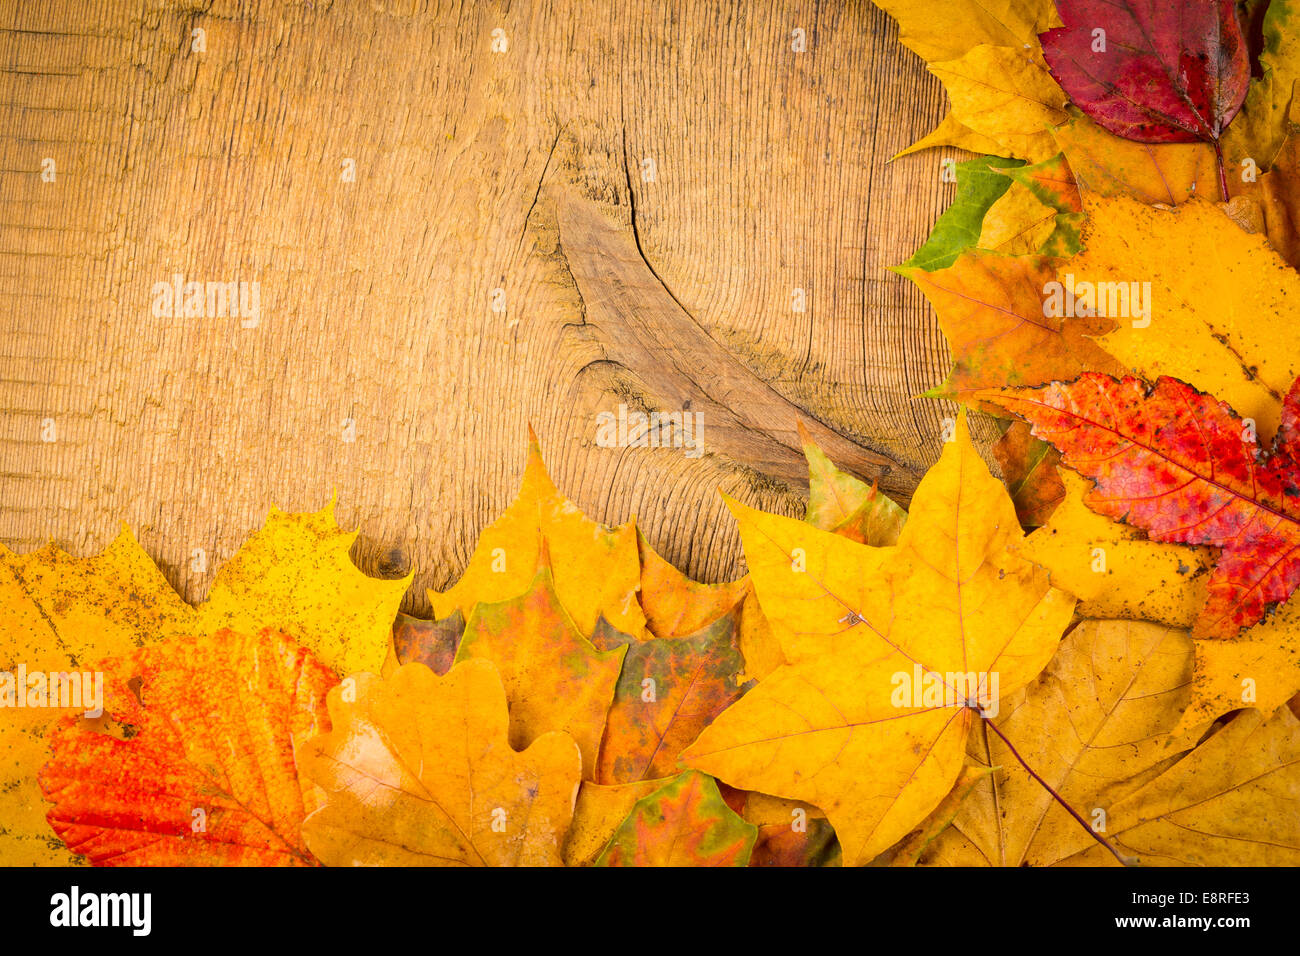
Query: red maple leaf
[(1185, 468)]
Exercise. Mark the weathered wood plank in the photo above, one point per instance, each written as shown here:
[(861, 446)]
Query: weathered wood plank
[(522, 171)]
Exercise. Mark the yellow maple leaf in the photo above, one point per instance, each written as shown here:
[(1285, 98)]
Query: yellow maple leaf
[(837, 502), (951, 600), (597, 569), (908, 851), (417, 771), (988, 57), (759, 645), (294, 575)]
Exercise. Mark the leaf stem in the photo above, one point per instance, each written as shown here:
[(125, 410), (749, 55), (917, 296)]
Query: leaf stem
[(1223, 172), (1056, 796)]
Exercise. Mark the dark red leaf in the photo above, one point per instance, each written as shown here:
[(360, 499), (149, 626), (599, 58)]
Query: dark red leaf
[(1165, 71)]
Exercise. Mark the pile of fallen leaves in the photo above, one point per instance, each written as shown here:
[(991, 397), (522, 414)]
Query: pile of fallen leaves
[(1092, 660)]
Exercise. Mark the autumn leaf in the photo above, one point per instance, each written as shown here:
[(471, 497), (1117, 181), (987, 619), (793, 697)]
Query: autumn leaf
[(1183, 467), (952, 132), (667, 692), (555, 679), (987, 56), (60, 614), (827, 728), (294, 575), (1274, 198), (1229, 802), (1259, 132), (840, 503), (417, 771), (1018, 224), (599, 811), (1224, 326), (683, 823), (1007, 95), (1101, 726), (759, 645), (1149, 70), (1260, 668), (790, 833), (968, 23), (841, 566), (1029, 470), (195, 761), (779, 846), (431, 643), (908, 851), (597, 569), (1052, 184), (1094, 726), (1115, 570), (1107, 165), (676, 606), (979, 187), (991, 309)]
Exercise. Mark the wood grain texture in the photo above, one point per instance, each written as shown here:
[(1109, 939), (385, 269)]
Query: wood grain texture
[(521, 171)]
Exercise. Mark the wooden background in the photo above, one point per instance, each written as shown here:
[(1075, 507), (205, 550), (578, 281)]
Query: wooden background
[(476, 170)]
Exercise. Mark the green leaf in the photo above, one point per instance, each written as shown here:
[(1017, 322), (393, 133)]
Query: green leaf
[(979, 186)]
